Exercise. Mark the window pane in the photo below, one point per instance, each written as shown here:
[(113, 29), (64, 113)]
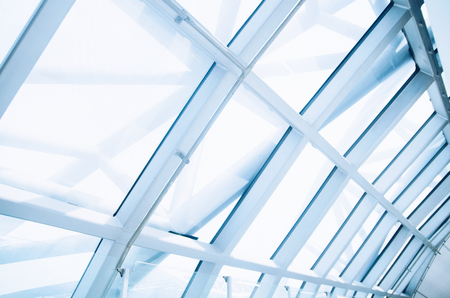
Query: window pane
[(285, 206), (38, 260), (14, 17), (222, 167), (97, 104), (154, 274), (397, 138), (301, 58)]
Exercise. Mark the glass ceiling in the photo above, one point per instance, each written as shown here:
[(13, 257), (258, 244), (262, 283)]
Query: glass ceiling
[(273, 148)]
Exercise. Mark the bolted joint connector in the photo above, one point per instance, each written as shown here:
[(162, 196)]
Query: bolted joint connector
[(182, 156)]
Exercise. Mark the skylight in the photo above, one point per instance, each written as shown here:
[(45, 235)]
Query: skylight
[(271, 148)]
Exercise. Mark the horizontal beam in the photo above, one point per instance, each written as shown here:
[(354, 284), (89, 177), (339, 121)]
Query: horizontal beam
[(174, 244), (87, 222)]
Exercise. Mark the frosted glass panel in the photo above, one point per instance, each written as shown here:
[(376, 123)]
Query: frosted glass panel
[(38, 260), (14, 17), (97, 104)]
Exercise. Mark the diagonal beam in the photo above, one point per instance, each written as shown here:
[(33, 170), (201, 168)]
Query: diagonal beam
[(29, 48)]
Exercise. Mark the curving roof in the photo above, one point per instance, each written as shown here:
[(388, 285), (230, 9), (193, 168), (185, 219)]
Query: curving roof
[(274, 148)]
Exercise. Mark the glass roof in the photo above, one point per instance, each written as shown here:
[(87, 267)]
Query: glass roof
[(273, 148)]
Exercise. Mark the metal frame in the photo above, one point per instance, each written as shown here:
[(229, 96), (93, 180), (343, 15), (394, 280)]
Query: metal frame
[(233, 68)]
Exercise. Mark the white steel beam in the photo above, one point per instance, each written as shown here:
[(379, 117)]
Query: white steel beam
[(226, 188), (29, 48), (16, 203), (438, 11), (161, 241)]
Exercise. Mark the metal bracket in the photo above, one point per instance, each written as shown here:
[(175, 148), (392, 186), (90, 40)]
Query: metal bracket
[(182, 156), (121, 271), (183, 17), (178, 20)]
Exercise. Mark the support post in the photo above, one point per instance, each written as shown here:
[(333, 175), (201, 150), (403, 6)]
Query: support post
[(229, 282), (288, 289), (125, 274)]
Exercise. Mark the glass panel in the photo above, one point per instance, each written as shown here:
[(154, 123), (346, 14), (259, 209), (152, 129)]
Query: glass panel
[(38, 260), (97, 104), (301, 58), (435, 206), (425, 192), (227, 160), (397, 138), (14, 17), (357, 241), (391, 233), (415, 168), (154, 274), (223, 18), (285, 205), (243, 282), (327, 227), (368, 98), (406, 242), (219, 289)]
